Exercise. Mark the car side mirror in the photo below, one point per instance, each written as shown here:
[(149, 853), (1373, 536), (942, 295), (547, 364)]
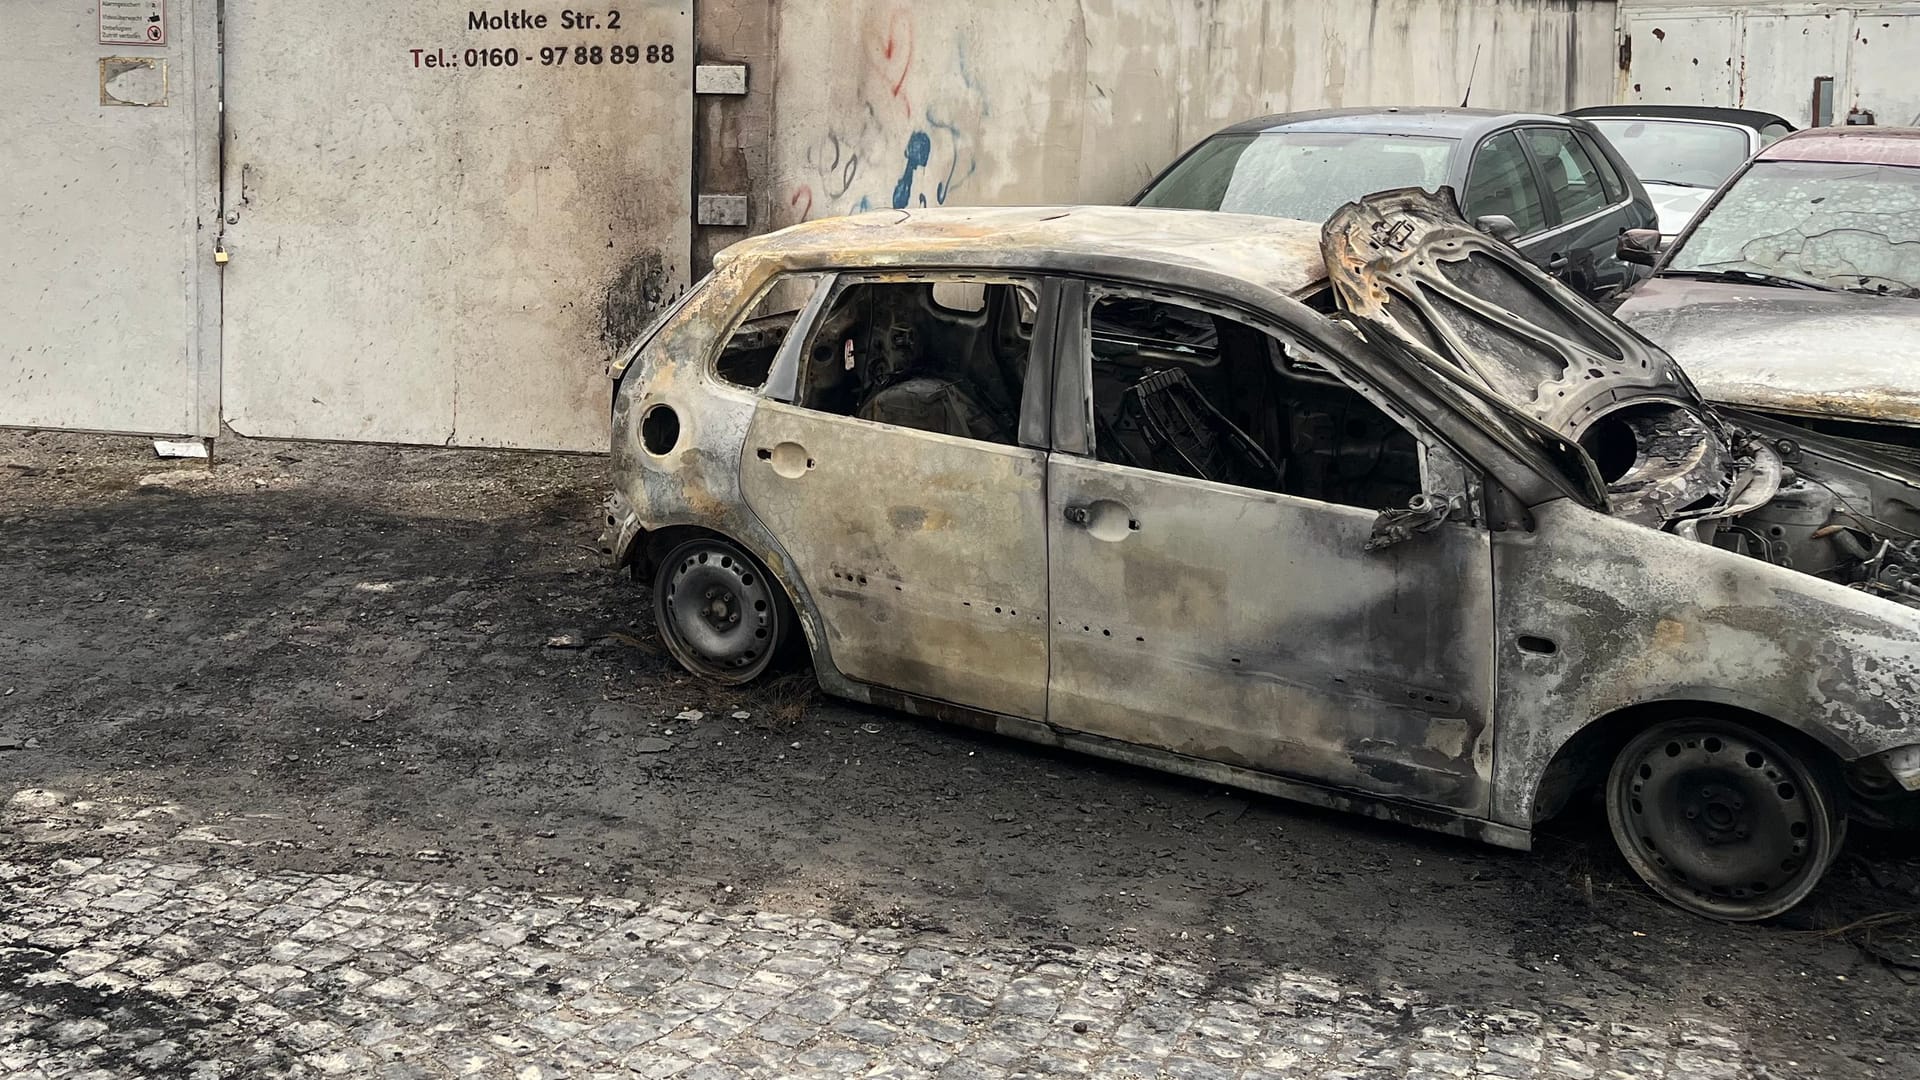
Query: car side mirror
[(1424, 513), (1642, 247), (1498, 226)]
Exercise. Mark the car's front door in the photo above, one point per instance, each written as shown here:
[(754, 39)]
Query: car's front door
[(902, 484), (1212, 592)]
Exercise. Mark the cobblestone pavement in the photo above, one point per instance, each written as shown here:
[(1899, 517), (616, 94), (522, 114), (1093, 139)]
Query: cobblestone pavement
[(137, 967)]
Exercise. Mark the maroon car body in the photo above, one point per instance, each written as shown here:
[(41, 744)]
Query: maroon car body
[(1818, 324)]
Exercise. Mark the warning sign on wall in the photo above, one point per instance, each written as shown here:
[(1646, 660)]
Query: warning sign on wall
[(133, 22)]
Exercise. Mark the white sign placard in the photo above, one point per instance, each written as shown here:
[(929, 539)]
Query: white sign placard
[(133, 22)]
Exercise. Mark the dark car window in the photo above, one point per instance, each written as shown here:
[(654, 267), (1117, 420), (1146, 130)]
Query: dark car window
[(1678, 153), (1572, 180), (1609, 176), (1835, 225), (1501, 182), (947, 356), (1298, 174), (1191, 391)]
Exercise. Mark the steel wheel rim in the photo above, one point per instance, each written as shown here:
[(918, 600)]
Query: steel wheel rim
[(717, 611), (1721, 821)]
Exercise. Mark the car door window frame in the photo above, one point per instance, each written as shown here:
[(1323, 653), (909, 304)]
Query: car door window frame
[(1548, 212), (1611, 181), (1540, 170), (1032, 427), (783, 377), (1443, 470)]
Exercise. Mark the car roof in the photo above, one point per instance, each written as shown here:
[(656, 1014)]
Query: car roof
[(1432, 121), (1879, 145), (1747, 118), (1279, 254)]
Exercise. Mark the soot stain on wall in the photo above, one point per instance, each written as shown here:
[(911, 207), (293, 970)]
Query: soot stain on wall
[(632, 297)]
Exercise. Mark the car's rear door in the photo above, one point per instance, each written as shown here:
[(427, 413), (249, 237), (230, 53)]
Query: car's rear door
[(1587, 213), (923, 551)]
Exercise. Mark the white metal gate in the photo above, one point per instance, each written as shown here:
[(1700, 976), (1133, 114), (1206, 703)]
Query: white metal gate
[(443, 219), (109, 196), (1776, 55)]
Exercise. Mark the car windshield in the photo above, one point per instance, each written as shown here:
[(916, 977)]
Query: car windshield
[(1835, 226), (1676, 152), (1298, 174)]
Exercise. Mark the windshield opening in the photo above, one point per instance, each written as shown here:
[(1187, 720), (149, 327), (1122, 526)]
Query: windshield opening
[(1298, 174), (1675, 153), (1834, 226)]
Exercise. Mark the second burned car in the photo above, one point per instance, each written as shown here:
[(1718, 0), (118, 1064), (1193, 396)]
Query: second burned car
[(1380, 517)]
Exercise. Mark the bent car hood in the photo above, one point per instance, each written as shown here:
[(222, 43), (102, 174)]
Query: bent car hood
[(1804, 353), (1407, 266)]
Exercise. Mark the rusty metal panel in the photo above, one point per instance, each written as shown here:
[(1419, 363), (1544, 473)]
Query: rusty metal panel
[(1773, 52), (1686, 57), (445, 220), (1255, 629), (1782, 55), (925, 555), (1884, 48), (108, 293)]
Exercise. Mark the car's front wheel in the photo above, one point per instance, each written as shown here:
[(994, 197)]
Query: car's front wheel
[(1722, 820), (718, 613)]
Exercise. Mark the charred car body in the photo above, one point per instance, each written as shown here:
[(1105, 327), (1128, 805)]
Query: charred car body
[(1440, 542)]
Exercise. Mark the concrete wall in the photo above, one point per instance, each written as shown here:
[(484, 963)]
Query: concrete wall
[(878, 103)]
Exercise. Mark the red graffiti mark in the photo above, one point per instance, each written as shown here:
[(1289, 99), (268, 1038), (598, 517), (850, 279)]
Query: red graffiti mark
[(802, 194), (899, 41)]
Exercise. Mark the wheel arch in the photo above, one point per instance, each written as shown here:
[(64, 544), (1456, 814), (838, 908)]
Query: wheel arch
[(642, 554), (1581, 762)]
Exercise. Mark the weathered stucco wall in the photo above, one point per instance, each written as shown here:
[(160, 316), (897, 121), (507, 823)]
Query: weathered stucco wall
[(880, 103)]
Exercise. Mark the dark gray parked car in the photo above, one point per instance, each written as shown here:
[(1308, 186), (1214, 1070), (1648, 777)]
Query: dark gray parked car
[(1548, 184)]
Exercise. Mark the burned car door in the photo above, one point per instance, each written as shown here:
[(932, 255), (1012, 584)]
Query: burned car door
[(1216, 585), (896, 481)]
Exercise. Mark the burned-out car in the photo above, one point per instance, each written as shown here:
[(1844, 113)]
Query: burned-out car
[(1381, 518)]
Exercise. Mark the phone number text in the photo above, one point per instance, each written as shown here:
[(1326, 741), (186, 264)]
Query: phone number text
[(545, 56)]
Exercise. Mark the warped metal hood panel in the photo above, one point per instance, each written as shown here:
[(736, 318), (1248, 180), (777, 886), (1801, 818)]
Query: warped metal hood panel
[(1407, 265)]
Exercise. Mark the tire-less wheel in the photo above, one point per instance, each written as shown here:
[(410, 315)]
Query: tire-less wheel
[(1721, 820), (718, 613)]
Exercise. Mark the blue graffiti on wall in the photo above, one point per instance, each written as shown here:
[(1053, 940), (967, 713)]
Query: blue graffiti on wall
[(919, 152)]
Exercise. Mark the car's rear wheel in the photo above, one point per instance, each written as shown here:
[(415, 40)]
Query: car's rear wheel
[(720, 615), (1722, 820)]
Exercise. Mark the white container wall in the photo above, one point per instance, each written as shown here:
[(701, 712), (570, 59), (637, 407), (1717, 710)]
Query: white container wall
[(1774, 56)]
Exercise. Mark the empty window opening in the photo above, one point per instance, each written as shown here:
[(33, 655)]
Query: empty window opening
[(748, 355), (946, 356), (1181, 390)]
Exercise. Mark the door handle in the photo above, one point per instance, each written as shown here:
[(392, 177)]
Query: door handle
[(1558, 264), (1077, 515)]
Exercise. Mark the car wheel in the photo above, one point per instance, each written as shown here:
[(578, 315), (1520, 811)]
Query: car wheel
[(719, 614), (1721, 820)]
